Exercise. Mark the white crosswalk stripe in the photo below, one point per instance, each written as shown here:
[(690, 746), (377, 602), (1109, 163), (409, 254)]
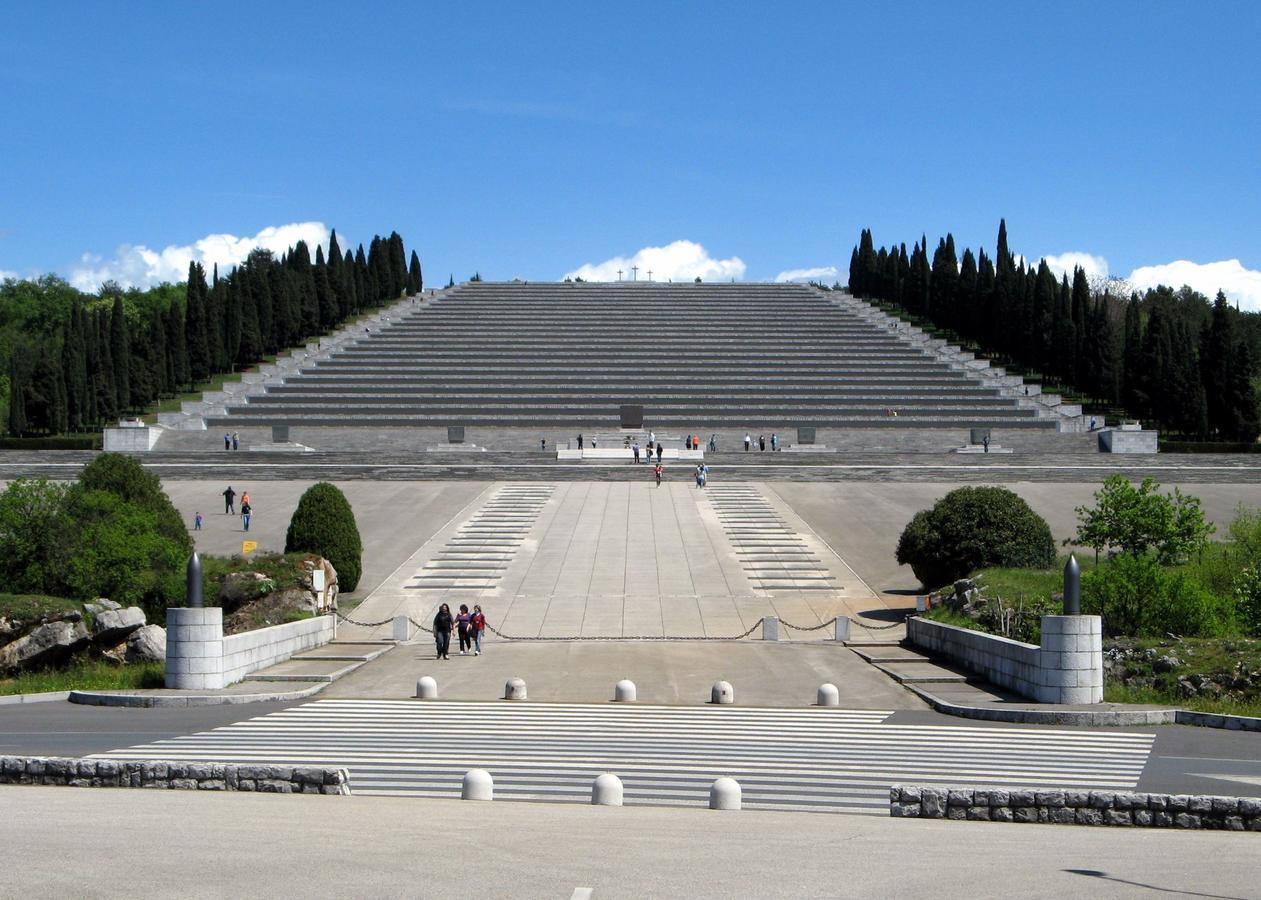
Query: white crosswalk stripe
[(812, 758)]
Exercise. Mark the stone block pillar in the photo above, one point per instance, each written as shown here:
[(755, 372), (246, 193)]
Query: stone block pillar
[(194, 648), (1071, 657)]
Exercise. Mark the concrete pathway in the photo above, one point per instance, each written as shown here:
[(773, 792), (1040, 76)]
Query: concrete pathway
[(624, 560)]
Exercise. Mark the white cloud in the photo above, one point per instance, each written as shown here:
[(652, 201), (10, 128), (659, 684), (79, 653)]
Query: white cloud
[(6, 275), (1065, 263), (1228, 275), (139, 266), (818, 273), (679, 261)]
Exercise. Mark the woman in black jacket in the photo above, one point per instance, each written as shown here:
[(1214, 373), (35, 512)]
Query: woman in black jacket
[(442, 623)]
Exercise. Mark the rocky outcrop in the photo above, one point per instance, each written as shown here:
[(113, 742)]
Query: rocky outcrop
[(113, 625), (46, 645), (147, 644)]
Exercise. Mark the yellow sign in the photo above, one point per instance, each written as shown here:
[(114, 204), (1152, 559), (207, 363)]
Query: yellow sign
[(249, 546)]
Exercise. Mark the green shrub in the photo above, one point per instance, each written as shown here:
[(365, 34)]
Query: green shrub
[(1248, 599), (1136, 597), (124, 477), (324, 523), (1137, 520), (34, 535), (972, 528)]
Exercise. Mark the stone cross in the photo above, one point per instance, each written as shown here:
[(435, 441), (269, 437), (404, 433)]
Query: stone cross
[(619, 274), (634, 273), (650, 274)]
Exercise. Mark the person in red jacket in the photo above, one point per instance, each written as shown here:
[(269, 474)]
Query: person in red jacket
[(478, 624)]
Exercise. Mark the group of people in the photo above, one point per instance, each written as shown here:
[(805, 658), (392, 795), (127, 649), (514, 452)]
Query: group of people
[(229, 502), (469, 626), (232, 441), (761, 442)]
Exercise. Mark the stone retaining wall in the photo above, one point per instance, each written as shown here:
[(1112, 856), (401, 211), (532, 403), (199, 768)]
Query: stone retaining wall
[(251, 651), (172, 775), (1067, 668), (1125, 809)]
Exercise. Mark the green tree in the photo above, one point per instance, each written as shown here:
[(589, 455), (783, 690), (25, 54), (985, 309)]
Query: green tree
[(34, 530), (1138, 520), (324, 523), (124, 477)]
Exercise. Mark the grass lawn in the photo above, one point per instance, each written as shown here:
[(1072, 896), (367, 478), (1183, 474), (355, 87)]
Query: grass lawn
[(28, 607), (87, 675)]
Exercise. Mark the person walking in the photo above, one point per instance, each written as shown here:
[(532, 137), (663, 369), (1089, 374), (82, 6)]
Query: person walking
[(463, 624), (658, 452), (543, 444), (657, 472), (229, 501), (579, 442), (246, 512), (774, 442), (713, 443), (197, 521), (635, 450), (652, 438), (761, 443), (236, 440), (442, 623), (227, 441), (245, 497), (479, 626), (748, 440)]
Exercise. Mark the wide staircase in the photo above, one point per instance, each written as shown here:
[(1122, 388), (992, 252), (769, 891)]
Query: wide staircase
[(693, 355)]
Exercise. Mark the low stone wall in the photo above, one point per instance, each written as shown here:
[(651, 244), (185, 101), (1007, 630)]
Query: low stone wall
[(1124, 809), (254, 650), (1067, 668), (172, 775)]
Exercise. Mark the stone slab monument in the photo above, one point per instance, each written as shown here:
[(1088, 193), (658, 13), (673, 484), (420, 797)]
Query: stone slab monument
[(632, 415)]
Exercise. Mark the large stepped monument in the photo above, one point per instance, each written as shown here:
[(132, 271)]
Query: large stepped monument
[(704, 356)]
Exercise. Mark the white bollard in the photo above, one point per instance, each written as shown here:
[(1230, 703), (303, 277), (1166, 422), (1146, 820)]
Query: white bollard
[(402, 628), (829, 695), (478, 785), (606, 791), (624, 691), (724, 794), (842, 628), (426, 688), (514, 689), (770, 628), (722, 692)]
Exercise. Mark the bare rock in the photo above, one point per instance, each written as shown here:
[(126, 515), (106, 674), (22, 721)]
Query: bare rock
[(112, 625), (147, 644), (45, 645)]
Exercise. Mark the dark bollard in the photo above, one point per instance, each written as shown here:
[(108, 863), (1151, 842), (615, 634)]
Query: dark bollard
[(1072, 586), (194, 582)]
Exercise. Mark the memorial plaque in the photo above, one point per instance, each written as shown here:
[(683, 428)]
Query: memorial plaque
[(455, 434), (979, 435), (632, 416), (280, 434), (805, 434)]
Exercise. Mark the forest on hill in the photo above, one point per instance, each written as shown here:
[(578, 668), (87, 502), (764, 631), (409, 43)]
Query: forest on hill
[(76, 361), (1170, 357)]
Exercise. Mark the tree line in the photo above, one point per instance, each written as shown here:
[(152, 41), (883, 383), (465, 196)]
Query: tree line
[(77, 361), (1168, 356)]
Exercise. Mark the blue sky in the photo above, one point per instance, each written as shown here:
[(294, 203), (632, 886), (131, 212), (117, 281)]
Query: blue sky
[(530, 139)]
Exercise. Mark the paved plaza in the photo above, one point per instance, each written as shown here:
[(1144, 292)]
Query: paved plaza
[(625, 560)]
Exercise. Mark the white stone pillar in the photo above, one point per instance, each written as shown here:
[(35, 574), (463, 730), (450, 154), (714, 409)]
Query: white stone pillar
[(402, 628), (770, 628), (194, 648), (1071, 660), (842, 628)]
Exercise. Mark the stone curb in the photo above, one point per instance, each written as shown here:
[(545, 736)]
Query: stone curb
[(186, 776), (44, 697), (1100, 718), (103, 698), (1118, 809)]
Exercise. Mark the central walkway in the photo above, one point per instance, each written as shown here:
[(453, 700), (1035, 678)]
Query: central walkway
[(624, 560), (808, 758)]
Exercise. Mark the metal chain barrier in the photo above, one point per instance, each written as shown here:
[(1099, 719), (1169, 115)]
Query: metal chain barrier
[(831, 621), (876, 627)]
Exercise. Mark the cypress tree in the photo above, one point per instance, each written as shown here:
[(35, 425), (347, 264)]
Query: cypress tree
[(326, 299), (1081, 309), (74, 371), (1218, 362), (195, 323), (944, 281), (1245, 417), (415, 281), (397, 259), (106, 390), (966, 307), (1132, 372), (855, 278), (120, 353), (17, 393)]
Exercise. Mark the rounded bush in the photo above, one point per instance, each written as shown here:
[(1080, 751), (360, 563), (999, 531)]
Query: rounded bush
[(324, 523), (125, 478), (972, 528)]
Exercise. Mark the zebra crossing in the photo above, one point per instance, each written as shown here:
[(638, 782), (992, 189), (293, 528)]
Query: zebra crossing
[(810, 758)]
